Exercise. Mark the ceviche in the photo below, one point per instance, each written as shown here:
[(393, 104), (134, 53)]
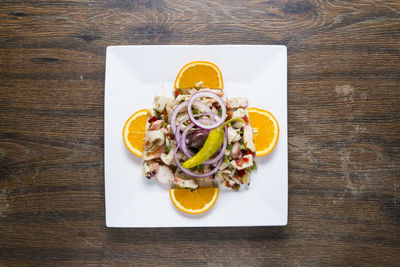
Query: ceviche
[(197, 138)]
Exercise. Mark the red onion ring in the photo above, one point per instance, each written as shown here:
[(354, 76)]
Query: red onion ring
[(175, 113), (206, 94), (196, 175), (178, 108), (178, 129), (182, 142)]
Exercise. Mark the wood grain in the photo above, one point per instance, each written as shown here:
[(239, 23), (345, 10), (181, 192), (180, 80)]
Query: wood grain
[(344, 131)]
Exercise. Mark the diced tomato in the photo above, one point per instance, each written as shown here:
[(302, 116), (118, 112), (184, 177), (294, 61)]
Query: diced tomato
[(216, 105), (227, 184), (241, 173), (229, 114), (152, 119), (248, 152), (245, 159), (165, 113), (246, 120), (239, 162), (177, 92)]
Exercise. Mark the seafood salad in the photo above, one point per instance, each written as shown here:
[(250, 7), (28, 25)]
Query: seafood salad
[(197, 138)]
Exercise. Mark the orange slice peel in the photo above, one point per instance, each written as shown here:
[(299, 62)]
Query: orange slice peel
[(134, 131), (194, 201), (266, 130), (199, 73)]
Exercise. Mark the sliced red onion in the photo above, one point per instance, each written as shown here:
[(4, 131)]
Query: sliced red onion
[(182, 142), (206, 94), (178, 128), (175, 113), (178, 108), (193, 174)]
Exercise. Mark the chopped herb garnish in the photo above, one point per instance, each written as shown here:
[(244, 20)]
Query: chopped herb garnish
[(226, 160), (200, 168), (240, 132), (158, 114), (186, 123), (152, 119), (229, 147), (168, 149), (236, 187), (254, 166), (241, 141), (195, 111), (241, 172)]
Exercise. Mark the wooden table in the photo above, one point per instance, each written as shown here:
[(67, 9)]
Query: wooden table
[(344, 130)]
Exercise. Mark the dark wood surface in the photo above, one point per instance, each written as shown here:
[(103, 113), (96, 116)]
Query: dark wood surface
[(344, 131)]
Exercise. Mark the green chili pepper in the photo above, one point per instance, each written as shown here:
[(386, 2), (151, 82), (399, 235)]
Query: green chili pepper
[(213, 142)]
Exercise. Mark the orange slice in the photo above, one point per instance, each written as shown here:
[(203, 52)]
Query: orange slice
[(134, 132), (266, 130), (194, 201), (203, 73)]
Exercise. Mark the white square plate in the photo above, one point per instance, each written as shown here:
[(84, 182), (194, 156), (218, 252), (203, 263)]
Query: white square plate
[(134, 75)]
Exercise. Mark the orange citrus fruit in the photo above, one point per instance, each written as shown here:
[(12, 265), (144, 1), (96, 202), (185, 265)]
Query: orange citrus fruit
[(266, 130), (134, 132), (203, 72), (194, 201)]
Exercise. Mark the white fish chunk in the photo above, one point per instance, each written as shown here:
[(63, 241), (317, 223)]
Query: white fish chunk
[(238, 124), (168, 159), (155, 139), (218, 92), (160, 101), (236, 150), (248, 138), (150, 169), (164, 175), (224, 166), (244, 165), (238, 114), (178, 100), (181, 116), (156, 125), (233, 136), (237, 102), (185, 183), (156, 154), (201, 108)]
